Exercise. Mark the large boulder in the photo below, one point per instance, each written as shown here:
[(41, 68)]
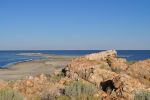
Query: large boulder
[(83, 66)]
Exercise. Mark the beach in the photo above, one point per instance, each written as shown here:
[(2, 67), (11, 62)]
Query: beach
[(35, 67)]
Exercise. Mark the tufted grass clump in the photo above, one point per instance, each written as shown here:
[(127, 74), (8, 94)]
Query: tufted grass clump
[(58, 77), (62, 97), (142, 95), (76, 90), (10, 94), (80, 91)]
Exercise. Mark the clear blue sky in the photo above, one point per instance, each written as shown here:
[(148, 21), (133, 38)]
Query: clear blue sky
[(74, 24)]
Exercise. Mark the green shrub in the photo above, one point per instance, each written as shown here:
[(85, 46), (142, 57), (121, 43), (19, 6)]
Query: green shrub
[(142, 95), (10, 94), (80, 91)]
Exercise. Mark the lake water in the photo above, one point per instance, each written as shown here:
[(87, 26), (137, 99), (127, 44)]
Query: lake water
[(10, 57)]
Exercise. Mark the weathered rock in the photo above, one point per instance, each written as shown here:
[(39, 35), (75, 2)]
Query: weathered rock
[(108, 73), (141, 71), (101, 55), (36, 86), (100, 75), (118, 86), (117, 64), (82, 67)]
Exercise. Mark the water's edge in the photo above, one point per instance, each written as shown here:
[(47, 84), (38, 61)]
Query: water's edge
[(9, 58)]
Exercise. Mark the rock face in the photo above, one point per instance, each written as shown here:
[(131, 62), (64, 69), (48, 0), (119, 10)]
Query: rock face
[(117, 64), (86, 66), (112, 75)]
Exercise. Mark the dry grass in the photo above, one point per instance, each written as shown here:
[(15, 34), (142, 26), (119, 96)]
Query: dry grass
[(10, 94)]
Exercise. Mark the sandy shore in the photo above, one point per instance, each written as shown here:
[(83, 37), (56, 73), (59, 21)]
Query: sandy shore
[(48, 65)]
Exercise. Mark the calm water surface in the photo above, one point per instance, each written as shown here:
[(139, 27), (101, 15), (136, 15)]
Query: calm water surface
[(10, 57)]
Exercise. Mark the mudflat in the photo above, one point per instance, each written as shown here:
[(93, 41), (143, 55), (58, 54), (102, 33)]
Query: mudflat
[(35, 67)]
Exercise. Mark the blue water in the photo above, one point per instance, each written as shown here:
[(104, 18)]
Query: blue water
[(10, 57)]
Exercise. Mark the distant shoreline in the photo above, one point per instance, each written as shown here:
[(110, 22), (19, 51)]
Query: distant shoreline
[(10, 57), (39, 56), (14, 63), (34, 54), (33, 67)]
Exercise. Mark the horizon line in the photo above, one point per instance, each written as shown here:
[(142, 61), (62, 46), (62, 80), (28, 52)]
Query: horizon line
[(73, 49)]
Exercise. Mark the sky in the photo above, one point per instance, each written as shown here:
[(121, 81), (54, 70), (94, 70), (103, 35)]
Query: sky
[(74, 24)]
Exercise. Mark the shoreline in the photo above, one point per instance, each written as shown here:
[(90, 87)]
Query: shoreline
[(40, 56), (34, 67), (14, 63)]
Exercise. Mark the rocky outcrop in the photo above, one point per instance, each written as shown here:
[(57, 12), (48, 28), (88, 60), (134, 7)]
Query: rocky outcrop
[(84, 66), (36, 87), (109, 73), (117, 64)]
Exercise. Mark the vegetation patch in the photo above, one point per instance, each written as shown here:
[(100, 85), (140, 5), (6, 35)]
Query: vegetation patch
[(10, 94), (80, 91), (142, 95), (57, 78)]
